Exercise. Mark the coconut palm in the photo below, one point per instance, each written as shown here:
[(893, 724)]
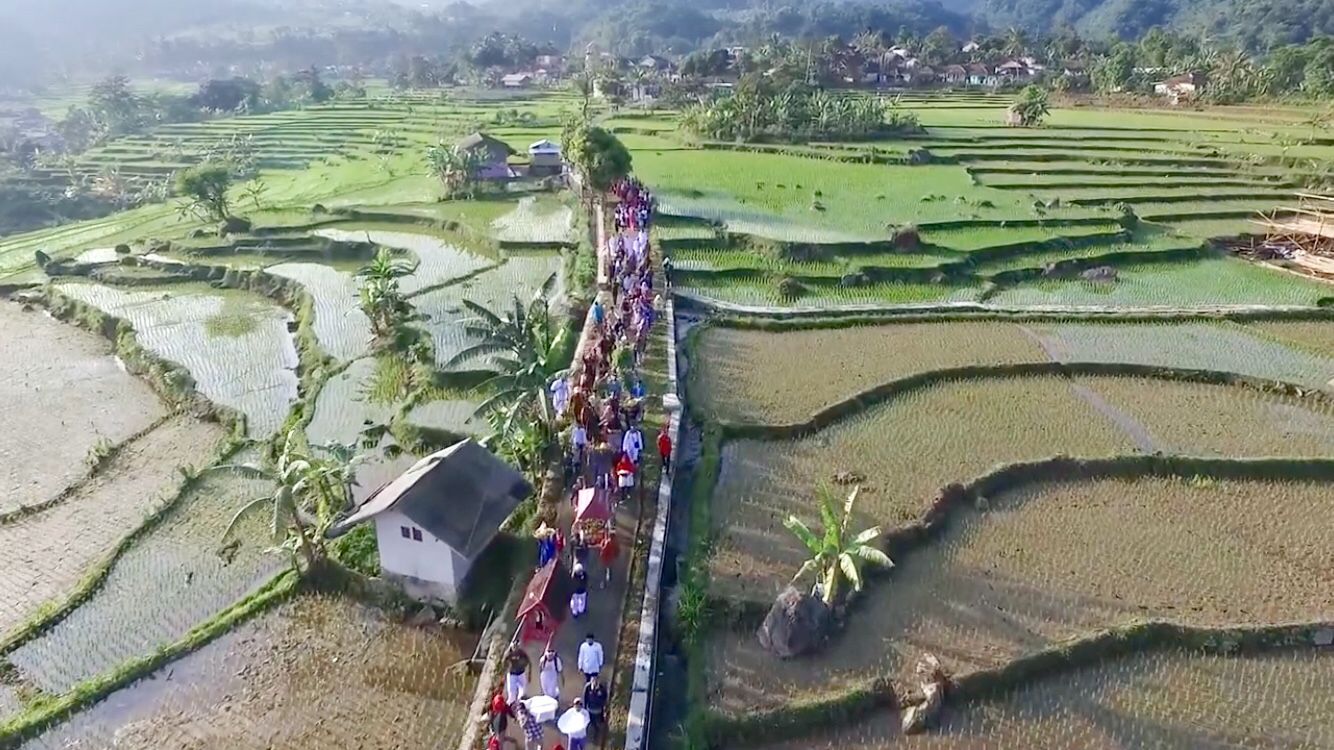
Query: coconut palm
[(834, 555), (523, 347), (1016, 42), (309, 491)]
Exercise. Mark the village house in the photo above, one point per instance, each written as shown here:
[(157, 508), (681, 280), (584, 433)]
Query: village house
[(1013, 70), (656, 64), (955, 75), (922, 75), (434, 521), (1178, 88), (977, 74), (970, 48), (545, 158), (494, 156), (517, 80)]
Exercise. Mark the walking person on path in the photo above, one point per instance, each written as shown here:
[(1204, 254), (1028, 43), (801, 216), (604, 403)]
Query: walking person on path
[(633, 443), (551, 672), (579, 599), (590, 657), (625, 476), (665, 450), (500, 718), (516, 678), (577, 720), (532, 729), (607, 556), (595, 702)]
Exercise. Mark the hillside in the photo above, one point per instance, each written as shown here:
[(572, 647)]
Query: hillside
[(1256, 23)]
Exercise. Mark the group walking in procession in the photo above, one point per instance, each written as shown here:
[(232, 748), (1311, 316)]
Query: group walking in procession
[(601, 403)]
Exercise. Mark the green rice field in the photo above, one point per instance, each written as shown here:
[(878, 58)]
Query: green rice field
[(1081, 426)]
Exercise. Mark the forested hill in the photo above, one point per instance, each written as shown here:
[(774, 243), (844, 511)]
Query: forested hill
[(1255, 24)]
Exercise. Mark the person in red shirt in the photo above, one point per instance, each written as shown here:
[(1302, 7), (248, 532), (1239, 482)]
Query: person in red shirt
[(625, 476), (607, 556), (500, 716), (665, 450)]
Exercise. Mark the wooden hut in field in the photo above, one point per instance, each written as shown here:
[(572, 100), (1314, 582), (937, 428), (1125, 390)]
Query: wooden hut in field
[(494, 156)]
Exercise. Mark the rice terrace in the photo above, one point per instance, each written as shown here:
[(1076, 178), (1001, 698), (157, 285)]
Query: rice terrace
[(985, 431)]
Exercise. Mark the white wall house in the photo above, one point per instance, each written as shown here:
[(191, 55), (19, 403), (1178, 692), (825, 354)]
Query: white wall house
[(433, 521)]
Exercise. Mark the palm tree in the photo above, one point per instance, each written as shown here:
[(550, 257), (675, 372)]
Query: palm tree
[(835, 556), (309, 491), (381, 299), (524, 346), (1016, 42)]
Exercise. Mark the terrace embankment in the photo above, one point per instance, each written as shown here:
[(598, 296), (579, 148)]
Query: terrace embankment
[(761, 375), (318, 671), (43, 556), (1163, 699), (1045, 562), (62, 392)]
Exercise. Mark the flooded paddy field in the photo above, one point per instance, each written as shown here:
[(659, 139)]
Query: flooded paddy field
[(62, 392), (760, 376), (521, 275), (175, 577), (43, 556), (235, 345), (1170, 699), (1056, 560), (438, 260), (319, 671)]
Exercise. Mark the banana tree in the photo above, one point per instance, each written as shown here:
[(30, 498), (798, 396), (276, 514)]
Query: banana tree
[(309, 492), (835, 555)]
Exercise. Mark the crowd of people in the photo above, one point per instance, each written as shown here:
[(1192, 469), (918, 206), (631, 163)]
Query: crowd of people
[(603, 402)]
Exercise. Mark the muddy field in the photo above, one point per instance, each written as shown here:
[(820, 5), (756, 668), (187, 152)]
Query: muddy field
[(1162, 700), (1058, 560), (317, 672), (904, 450), (44, 555), (67, 392)]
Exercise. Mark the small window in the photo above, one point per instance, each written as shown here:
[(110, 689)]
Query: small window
[(416, 535), (405, 532)]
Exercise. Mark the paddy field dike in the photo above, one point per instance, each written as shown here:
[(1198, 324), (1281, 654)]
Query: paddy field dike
[(1099, 449), (1108, 496)]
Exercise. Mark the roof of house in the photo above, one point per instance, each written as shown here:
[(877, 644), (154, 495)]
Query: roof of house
[(482, 140), (1194, 79), (461, 495), (544, 147), (956, 70), (654, 61), (977, 69), (1011, 65)]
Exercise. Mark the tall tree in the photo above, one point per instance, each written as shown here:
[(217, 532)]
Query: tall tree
[(599, 157), (204, 188)]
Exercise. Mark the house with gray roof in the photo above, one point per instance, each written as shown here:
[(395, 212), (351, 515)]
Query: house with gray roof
[(434, 520)]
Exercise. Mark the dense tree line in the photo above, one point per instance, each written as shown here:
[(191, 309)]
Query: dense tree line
[(757, 110)]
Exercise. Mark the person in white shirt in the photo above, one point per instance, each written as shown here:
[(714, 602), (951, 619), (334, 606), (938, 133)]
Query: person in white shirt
[(633, 444), (590, 657), (579, 441), (576, 739), (549, 673)]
